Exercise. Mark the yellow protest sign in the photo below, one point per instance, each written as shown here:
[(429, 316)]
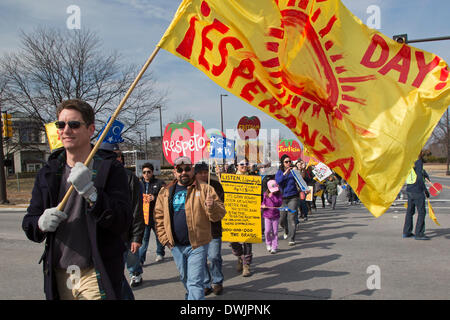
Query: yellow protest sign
[(354, 97), (242, 223), (54, 141)]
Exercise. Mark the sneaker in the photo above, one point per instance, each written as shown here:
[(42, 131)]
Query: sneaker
[(136, 280), (239, 265), (268, 248), (217, 289), (207, 291), (291, 243), (273, 251), (246, 271), (422, 238), (159, 258), (285, 236)]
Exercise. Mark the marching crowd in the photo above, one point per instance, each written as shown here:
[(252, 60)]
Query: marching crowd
[(105, 224)]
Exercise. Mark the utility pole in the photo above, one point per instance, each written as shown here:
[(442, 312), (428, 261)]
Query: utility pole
[(3, 196), (146, 156), (221, 111), (448, 146), (160, 127)]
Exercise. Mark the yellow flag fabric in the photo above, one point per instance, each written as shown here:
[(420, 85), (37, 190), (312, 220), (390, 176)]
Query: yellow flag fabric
[(360, 102), (52, 136), (431, 213)]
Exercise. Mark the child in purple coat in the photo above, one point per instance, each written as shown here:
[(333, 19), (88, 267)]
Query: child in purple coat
[(270, 204)]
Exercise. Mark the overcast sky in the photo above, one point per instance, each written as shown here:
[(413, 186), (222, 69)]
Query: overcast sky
[(134, 27)]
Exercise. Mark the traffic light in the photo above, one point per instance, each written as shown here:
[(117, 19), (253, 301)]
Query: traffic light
[(7, 131), (401, 38)]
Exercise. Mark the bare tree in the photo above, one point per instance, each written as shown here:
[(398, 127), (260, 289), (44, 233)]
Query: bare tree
[(54, 65), (179, 118)]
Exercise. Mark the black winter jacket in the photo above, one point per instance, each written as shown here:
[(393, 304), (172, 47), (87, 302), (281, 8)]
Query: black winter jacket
[(107, 220)]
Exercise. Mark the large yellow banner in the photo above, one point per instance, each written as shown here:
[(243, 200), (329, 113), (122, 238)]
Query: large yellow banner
[(360, 102)]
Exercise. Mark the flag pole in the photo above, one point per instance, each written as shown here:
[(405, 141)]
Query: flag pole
[(110, 122)]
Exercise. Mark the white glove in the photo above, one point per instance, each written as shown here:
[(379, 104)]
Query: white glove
[(50, 219), (81, 179)]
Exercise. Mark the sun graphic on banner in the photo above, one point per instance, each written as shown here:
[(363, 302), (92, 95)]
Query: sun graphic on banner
[(324, 82)]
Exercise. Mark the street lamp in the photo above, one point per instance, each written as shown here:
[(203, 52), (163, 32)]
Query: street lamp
[(221, 111), (160, 127)]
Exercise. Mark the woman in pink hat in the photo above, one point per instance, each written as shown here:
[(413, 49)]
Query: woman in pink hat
[(270, 204)]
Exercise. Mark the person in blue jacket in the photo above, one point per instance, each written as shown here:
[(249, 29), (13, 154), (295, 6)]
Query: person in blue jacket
[(291, 198)]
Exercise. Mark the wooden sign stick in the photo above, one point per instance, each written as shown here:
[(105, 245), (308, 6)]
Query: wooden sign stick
[(111, 120)]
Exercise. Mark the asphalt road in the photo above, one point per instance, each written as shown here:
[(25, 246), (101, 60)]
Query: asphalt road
[(340, 255)]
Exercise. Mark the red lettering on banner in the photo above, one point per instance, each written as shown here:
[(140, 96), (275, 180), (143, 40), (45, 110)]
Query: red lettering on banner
[(291, 122), (328, 148), (185, 47), (207, 43), (401, 62), (424, 68), (252, 87), (244, 70), (308, 139), (377, 41), (361, 184), (273, 104), (346, 165), (217, 70), (304, 107)]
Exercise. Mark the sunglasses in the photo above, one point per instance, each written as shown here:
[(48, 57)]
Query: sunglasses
[(243, 164), (287, 161), (185, 169), (72, 124), (145, 172)]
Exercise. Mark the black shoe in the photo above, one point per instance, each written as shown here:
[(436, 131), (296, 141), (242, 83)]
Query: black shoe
[(408, 235), (422, 238), (208, 291)]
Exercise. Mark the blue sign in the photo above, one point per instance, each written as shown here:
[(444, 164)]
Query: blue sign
[(221, 148), (113, 136)]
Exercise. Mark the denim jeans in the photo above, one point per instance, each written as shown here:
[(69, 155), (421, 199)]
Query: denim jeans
[(332, 199), (214, 270), (191, 263), (415, 199), (132, 261), (145, 241), (287, 219)]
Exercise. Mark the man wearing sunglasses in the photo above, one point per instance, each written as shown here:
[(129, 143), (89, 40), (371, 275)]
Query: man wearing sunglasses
[(183, 214), (83, 255)]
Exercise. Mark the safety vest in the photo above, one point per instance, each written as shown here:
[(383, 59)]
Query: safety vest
[(412, 177)]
